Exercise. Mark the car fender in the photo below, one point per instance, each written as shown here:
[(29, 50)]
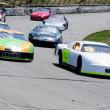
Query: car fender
[(59, 47), (65, 55)]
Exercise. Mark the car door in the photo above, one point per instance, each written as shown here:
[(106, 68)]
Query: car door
[(73, 56)]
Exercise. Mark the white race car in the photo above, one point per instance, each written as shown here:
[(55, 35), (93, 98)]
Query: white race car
[(86, 56)]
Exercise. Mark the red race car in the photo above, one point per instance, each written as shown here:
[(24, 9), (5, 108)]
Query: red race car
[(40, 14)]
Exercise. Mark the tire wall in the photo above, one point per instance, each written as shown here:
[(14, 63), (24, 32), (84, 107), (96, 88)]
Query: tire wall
[(21, 11)]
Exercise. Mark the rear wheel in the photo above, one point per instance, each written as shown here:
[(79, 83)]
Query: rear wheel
[(30, 37), (60, 58), (54, 45), (79, 64), (31, 18), (4, 19)]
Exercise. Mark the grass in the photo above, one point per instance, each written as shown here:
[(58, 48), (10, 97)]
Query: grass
[(102, 36)]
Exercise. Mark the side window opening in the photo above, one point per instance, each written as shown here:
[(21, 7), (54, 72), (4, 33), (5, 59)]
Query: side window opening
[(76, 46)]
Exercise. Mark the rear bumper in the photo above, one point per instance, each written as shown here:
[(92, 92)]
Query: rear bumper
[(16, 55), (38, 18)]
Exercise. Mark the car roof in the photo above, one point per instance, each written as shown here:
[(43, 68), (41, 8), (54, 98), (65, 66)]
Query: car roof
[(55, 19), (48, 26), (57, 16), (10, 31)]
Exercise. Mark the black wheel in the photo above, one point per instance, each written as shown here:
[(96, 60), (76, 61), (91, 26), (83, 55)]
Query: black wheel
[(60, 58), (5, 19), (31, 18), (79, 64), (54, 45), (30, 37)]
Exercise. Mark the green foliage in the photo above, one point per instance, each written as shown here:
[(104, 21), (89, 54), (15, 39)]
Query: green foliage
[(102, 36), (57, 2)]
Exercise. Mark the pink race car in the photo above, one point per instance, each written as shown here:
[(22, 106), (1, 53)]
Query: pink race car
[(40, 14)]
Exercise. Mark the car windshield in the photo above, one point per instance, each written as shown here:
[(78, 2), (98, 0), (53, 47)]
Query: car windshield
[(15, 35), (95, 48), (4, 26), (19, 36), (47, 31)]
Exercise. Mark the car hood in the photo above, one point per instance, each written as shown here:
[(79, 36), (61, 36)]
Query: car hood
[(97, 58), (15, 45)]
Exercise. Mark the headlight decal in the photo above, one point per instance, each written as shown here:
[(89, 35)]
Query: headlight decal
[(2, 48), (25, 47)]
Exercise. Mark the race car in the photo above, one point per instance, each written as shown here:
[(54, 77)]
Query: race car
[(40, 14), (14, 46), (59, 21), (85, 56), (45, 35), (4, 26)]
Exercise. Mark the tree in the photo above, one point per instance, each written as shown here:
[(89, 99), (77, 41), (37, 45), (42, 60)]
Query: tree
[(30, 1)]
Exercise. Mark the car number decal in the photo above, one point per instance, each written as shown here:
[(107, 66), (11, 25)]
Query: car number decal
[(65, 56)]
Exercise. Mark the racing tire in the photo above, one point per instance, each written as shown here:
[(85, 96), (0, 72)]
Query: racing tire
[(4, 20), (60, 58), (30, 37), (54, 45), (31, 18), (79, 64)]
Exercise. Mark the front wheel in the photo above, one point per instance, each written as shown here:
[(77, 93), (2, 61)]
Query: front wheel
[(79, 64), (60, 58)]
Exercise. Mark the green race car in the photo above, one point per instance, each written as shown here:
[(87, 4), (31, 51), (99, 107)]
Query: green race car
[(14, 46)]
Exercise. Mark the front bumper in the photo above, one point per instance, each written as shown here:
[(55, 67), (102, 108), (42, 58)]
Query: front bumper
[(16, 55)]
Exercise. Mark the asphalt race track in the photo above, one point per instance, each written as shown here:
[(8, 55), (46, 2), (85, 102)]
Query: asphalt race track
[(42, 84)]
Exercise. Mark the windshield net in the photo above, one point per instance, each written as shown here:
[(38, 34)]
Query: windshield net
[(95, 48)]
